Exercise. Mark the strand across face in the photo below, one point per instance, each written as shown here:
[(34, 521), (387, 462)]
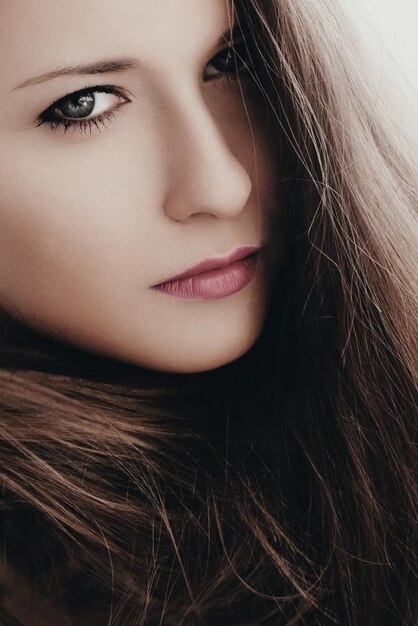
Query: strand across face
[(134, 146)]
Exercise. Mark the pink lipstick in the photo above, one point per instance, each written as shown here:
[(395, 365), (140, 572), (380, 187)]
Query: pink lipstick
[(214, 278)]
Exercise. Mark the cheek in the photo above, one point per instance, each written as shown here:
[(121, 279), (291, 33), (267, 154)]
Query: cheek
[(69, 223)]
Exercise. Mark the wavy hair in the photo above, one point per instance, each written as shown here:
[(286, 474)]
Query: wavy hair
[(279, 489)]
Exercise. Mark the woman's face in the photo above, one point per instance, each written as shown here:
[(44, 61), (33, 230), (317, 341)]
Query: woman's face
[(157, 164)]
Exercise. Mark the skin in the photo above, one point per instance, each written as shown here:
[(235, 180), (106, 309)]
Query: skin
[(185, 170)]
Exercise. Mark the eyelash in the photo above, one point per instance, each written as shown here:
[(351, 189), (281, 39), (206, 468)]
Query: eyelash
[(50, 118), (86, 125)]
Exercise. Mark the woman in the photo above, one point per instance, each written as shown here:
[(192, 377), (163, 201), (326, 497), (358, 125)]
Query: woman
[(234, 448)]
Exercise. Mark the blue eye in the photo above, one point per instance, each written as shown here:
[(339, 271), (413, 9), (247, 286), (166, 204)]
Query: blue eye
[(83, 109), (77, 106), (230, 62)]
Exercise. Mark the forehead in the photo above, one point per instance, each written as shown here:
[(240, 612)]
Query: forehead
[(37, 35)]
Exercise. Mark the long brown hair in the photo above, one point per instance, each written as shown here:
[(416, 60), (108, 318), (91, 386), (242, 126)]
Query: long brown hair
[(278, 489)]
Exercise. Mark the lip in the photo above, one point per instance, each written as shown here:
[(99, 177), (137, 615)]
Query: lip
[(213, 263), (214, 278)]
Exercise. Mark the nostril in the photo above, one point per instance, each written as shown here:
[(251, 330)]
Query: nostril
[(208, 182)]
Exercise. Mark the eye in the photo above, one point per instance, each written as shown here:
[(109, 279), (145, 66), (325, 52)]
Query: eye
[(92, 105), (230, 62)]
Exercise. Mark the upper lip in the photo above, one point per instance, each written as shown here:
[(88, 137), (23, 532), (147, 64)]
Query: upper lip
[(215, 263)]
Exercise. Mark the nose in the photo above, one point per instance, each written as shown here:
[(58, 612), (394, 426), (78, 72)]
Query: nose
[(205, 175)]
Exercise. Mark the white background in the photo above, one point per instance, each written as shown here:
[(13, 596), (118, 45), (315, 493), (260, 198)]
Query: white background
[(389, 31), (392, 26)]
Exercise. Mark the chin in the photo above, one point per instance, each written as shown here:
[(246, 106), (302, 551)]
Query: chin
[(204, 357)]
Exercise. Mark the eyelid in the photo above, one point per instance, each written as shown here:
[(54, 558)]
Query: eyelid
[(229, 43), (236, 38), (51, 117)]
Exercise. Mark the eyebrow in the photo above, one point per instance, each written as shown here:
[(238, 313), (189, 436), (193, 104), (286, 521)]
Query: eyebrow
[(110, 66), (99, 67)]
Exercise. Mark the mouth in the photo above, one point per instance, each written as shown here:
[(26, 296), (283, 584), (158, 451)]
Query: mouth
[(215, 277)]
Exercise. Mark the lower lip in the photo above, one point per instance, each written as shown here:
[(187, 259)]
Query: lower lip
[(214, 284)]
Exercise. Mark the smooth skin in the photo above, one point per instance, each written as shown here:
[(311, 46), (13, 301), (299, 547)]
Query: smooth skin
[(184, 169)]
